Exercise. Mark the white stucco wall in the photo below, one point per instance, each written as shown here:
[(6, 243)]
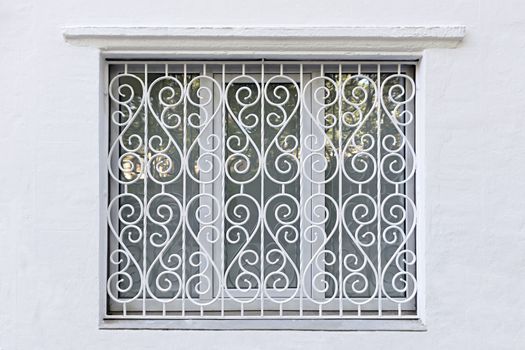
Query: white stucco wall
[(475, 165)]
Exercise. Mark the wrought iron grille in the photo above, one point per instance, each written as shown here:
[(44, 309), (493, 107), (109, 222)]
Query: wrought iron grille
[(261, 190)]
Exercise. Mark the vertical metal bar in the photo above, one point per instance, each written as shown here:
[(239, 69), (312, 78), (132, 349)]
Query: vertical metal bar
[(163, 190), (397, 185), (360, 190), (200, 201), (184, 215), (145, 199), (242, 190), (222, 284), (378, 163), (301, 182), (321, 185), (124, 305), (340, 188), (261, 164)]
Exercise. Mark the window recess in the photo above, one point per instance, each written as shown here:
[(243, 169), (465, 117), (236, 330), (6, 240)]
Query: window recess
[(261, 190)]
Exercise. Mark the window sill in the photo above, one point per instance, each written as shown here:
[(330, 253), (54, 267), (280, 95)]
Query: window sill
[(269, 324)]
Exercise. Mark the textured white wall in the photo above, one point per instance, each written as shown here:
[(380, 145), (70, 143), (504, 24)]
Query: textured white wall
[(475, 105)]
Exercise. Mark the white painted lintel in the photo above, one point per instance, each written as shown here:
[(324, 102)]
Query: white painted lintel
[(268, 41)]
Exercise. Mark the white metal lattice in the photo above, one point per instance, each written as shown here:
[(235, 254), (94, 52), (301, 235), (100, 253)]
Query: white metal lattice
[(261, 190)]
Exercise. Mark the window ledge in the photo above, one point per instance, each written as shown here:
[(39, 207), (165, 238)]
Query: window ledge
[(278, 325), (269, 42)]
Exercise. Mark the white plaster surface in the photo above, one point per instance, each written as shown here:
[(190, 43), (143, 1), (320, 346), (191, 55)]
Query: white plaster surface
[(475, 164)]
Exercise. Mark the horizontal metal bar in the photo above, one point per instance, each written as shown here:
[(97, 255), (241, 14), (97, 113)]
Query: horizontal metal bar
[(261, 61)]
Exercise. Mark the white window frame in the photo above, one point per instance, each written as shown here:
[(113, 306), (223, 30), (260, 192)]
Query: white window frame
[(397, 43)]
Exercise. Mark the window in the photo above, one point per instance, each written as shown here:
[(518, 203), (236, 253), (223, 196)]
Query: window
[(261, 190)]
